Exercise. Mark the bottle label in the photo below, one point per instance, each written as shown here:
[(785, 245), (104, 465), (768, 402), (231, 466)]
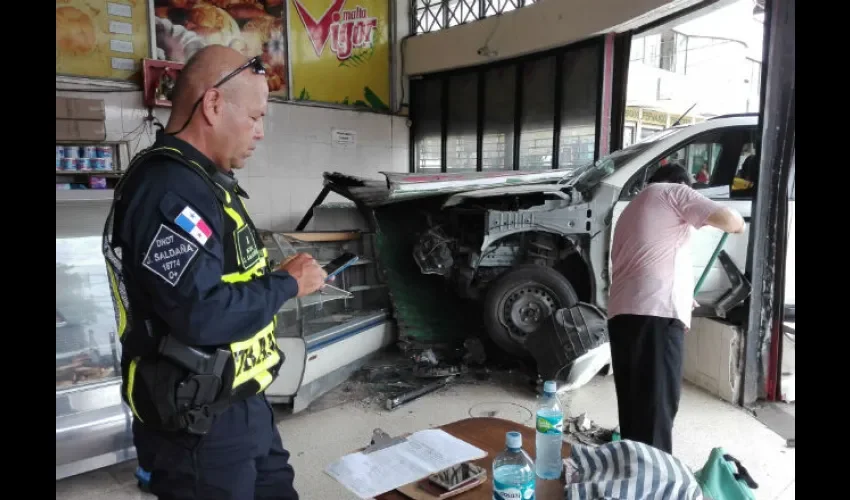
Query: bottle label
[(502, 491), (550, 425)]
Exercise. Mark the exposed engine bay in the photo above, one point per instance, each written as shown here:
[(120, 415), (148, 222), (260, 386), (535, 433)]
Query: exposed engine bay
[(475, 240)]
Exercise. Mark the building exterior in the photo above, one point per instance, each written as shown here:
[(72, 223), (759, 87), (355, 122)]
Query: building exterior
[(712, 62)]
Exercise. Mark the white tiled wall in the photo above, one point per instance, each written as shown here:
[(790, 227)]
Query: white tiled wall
[(285, 174)]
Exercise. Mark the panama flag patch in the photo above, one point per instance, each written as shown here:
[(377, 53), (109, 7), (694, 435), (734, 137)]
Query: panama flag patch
[(192, 223)]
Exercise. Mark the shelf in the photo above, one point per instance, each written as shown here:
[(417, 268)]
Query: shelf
[(84, 194), (100, 173), (152, 71), (363, 288), (360, 262), (316, 298), (87, 142)]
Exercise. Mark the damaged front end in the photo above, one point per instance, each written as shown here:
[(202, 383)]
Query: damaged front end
[(496, 257)]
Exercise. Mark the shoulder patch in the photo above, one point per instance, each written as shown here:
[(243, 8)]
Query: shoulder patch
[(169, 255), (192, 223)]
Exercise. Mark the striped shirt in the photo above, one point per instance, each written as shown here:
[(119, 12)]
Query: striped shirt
[(628, 470)]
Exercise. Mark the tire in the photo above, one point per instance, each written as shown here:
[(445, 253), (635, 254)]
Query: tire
[(530, 293)]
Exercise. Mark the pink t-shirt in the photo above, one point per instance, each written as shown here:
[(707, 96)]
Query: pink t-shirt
[(652, 273)]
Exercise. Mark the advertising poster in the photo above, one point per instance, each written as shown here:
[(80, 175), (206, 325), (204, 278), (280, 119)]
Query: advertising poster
[(101, 38), (340, 52), (253, 27)]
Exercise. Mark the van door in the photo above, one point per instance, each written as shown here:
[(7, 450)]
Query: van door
[(712, 159)]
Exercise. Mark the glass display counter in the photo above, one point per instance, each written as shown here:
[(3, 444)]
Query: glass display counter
[(326, 336), (92, 422)]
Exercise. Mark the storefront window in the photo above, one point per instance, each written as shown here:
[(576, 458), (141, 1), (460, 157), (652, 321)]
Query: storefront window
[(628, 136), (86, 344), (648, 131)]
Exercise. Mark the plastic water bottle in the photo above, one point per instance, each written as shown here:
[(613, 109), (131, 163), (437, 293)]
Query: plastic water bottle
[(550, 427), (513, 471)]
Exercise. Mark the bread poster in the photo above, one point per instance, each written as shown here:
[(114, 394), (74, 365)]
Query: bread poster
[(253, 27), (101, 38), (340, 52)]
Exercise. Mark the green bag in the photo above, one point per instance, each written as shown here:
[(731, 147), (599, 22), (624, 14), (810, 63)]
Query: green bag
[(724, 478)]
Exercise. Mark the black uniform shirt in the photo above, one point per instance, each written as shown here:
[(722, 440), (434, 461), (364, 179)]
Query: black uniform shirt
[(172, 227)]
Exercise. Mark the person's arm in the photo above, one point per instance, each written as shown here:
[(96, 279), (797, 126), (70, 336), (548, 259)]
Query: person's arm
[(181, 273), (727, 220), (698, 210)]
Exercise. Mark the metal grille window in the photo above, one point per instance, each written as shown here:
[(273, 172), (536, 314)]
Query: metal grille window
[(462, 11), (435, 15), (537, 129), (462, 123), (533, 113), (580, 95), (667, 50), (498, 114), (428, 156), (429, 15)]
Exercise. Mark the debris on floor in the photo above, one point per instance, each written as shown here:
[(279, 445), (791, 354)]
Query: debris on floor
[(394, 402), (475, 352), (582, 430), (436, 362), (395, 379)]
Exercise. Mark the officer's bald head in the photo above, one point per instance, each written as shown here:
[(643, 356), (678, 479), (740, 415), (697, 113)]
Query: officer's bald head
[(228, 119), (201, 72)]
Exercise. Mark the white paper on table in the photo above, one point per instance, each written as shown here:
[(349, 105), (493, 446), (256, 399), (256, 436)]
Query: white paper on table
[(425, 452)]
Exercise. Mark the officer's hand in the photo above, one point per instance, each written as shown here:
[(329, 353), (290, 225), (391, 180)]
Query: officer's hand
[(307, 272)]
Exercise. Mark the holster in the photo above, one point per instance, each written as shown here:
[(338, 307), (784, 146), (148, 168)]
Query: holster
[(199, 396)]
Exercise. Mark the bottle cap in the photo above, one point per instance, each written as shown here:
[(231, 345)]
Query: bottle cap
[(513, 440), (550, 386)]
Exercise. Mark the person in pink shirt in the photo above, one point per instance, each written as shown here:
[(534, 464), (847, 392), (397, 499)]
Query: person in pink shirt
[(651, 298)]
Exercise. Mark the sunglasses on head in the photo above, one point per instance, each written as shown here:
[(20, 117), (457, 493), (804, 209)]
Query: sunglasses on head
[(256, 65)]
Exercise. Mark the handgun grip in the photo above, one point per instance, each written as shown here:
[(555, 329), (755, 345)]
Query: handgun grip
[(192, 359)]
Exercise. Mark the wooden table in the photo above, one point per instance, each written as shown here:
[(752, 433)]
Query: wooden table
[(489, 435)]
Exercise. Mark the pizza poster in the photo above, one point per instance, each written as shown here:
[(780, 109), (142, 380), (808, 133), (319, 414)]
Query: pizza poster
[(340, 52), (253, 27), (101, 38)]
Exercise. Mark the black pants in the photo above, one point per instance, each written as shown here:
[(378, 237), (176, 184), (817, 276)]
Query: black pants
[(241, 458), (647, 357)]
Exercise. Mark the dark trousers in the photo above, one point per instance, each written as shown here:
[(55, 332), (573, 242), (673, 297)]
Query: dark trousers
[(647, 357), (241, 458)]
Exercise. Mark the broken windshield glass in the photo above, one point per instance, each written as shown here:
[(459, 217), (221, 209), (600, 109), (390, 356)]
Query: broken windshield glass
[(588, 176)]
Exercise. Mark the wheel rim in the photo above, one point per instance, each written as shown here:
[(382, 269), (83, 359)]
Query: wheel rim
[(524, 309)]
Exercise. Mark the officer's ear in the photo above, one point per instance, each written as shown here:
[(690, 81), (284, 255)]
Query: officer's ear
[(213, 105)]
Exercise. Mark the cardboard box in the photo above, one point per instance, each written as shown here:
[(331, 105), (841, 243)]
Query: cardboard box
[(80, 109), (80, 130)]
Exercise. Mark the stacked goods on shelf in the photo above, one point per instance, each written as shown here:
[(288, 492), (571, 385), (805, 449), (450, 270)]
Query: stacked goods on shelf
[(75, 158), (80, 119)]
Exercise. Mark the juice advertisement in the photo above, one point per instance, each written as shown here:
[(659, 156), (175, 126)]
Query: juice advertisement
[(340, 52)]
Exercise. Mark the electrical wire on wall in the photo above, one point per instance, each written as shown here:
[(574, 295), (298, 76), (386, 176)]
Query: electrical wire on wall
[(485, 50)]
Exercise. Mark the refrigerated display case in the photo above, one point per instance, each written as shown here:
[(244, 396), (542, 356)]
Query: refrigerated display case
[(92, 423), (327, 336)]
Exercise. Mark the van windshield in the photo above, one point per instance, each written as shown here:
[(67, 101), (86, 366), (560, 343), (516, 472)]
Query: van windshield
[(588, 176)]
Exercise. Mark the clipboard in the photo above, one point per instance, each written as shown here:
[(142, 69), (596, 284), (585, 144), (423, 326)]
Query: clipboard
[(381, 440), (368, 474)]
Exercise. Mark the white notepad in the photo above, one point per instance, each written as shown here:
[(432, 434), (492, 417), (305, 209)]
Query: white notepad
[(368, 475)]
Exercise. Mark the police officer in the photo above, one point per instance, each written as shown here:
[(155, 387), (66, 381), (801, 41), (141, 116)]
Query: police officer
[(196, 297)]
